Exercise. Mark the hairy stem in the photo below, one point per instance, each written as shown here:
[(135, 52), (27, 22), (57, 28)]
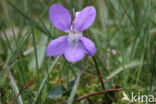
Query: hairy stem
[(99, 75)]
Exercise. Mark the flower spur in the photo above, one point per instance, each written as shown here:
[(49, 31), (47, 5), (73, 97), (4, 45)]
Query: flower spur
[(74, 46)]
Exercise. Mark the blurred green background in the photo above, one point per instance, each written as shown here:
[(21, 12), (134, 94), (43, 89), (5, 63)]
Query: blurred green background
[(125, 36)]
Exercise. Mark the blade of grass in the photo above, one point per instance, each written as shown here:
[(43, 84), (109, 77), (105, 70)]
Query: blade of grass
[(15, 88), (35, 49), (41, 49), (118, 70)]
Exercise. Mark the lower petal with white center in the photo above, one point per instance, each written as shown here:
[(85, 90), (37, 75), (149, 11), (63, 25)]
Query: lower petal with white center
[(74, 53)]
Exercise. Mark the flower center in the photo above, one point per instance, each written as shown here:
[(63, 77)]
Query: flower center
[(73, 38)]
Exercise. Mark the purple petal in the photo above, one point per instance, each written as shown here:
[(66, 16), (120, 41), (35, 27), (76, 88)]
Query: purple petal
[(60, 17), (88, 46), (57, 47), (74, 53), (85, 18)]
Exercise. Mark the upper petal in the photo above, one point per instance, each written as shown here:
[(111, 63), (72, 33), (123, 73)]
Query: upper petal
[(57, 46), (85, 18), (88, 46), (74, 53), (60, 17)]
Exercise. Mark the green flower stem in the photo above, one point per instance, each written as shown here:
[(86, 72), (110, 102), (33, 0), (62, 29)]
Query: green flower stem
[(70, 99)]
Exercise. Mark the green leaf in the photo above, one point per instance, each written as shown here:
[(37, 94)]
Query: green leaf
[(70, 85), (108, 85), (56, 92)]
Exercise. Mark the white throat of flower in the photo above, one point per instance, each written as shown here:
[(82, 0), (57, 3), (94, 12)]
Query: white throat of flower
[(73, 38)]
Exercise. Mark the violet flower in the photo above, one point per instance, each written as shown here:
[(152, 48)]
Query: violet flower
[(74, 46)]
